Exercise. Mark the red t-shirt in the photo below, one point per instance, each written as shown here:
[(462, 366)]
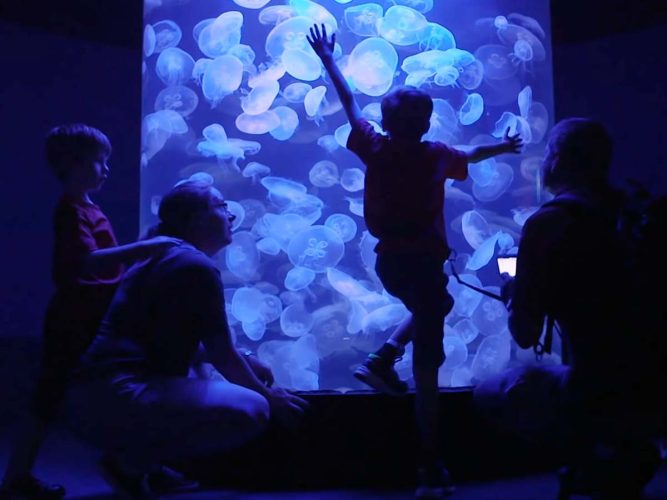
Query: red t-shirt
[(404, 190)]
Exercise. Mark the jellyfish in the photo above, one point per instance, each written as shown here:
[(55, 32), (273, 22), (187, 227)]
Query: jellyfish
[(472, 109), (318, 14), (199, 69), (316, 248), (344, 225), (343, 132), (296, 92), (372, 111), (362, 19), (367, 250), (299, 278), (283, 190), (456, 352), (289, 121), (356, 316), (268, 246), (174, 66), (521, 214), (222, 76), (155, 204), (167, 35), (506, 121), (301, 64), (501, 178), (237, 210), (178, 98), (401, 25), (217, 144), (521, 53), (254, 209), (527, 22), (471, 75), (446, 76), (149, 40), (307, 206), (422, 6), (260, 98), (538, 121), (241, 256), (251, 4), (475, 228), (196, 31), (295, 320), (372, 64), (355, 205), (436, 37), (345, 284), (270, 307), (465, 329), (490, 317), (428, 62), (314, 99), (254, 330), (284, 227), (257, 124), (157, 128), (255, 170), (352, 179), (443, 123), (496, 62), (323, 174), (246, 303), (290, 34), (383, 318), (275, 14), (483, 253), (217, 37), (511, 33), (201, 178), (466, 300), (328, 143)]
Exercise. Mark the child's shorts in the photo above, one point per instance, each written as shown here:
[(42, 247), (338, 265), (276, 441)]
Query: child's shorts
[(419, 281)]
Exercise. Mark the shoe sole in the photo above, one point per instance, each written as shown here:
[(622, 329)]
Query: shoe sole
[(369, 378)]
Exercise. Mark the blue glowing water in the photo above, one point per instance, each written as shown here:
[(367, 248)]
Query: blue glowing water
[(235, 97)]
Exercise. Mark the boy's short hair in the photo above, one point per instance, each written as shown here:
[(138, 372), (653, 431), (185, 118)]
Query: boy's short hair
[(406, 112), (69, 143)]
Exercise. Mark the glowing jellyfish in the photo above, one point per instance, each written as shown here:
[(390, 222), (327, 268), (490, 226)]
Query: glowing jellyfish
[(316, 248), (538, 120), (268, 246), (244, 53), (254, 209), (301, 64), (352, 179), (456, 352), (506, 120), (323, 174), (284, 227), (483, 254), (284, 190), (422, 6), (217, 37), (174, 66), (149, 40), (260, 98), (372, 64), (235, 209), (446, 76), (471, 75), (256, 170), (270, 307), (296, 92), (308, 207), (289, 121), (275, 14), (246, 303), (492, 356), (527, 22), (483, 173), (251, 4), (157, 128), (313, 100), (177, 98), (496, 62), (490, 317), (465, 329), (299, 278), (199, 69), (520, 215), (295, 320), (167, 35), (521, 53), (328, 143), (367, 250), (155, 204), (401, 25), (222, 77), (383, 318), (511, 33), (372, 112), (472, 109), (362, 19), (241, 256), (355, 205), (257, 124), (290, 34), (502, 178), (466, 300), (196, 31), (436, 36), (254, 330), (343, 132), (443, 123), (428, 61), (344, 225), (475, 228)]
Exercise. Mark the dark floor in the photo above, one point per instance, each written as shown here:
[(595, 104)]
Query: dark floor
[(67, 460)]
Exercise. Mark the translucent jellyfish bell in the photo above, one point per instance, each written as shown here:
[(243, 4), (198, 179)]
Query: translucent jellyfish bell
[(475, 228), (465, 329), (290, 34), (296, 92), (256, 170), (177, 98), (254, 330), (217, 37), (289, 121), (372, 65), (482, 255), (167, 34), (471, 75), (491, 314), (199, 69), (302, 64), (238, 211), (246, 304), (361, 19), (344, 225), (527, 22), (251, 4), (422, 6), (520, 215), (436, 36), (196, 31), (501, 180), (352, 179), (257, 124), (254, 209), (323, 174), (241, 256), (522, 52), (222, 77), (316, 12), (284, 227), (174, 66), (372, 111), (244, 53), (446, 76), (491, 357), (465, 299), (285, 189), (328, 143), (149, 40), (314, 99), (456, 352), (260, 98), (383, 318), (444, 123), (472, 109), (316, 248), (511, 33), (295, 320), (275, 14), (401, 25), (496, 61), (538, 120), (299, 278)]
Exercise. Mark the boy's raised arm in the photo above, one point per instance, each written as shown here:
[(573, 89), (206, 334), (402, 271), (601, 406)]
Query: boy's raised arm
[(510, 144), (323, 47)]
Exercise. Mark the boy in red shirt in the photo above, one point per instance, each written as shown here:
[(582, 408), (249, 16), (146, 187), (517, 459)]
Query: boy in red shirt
[(87, 267), (403, 206)]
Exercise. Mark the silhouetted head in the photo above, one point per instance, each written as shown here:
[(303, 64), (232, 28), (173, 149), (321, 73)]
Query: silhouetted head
[(71, 147), (406, 113), (197, 213), (578, 155)]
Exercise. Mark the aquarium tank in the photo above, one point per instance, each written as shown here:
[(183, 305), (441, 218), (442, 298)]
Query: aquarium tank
[(234, 96)]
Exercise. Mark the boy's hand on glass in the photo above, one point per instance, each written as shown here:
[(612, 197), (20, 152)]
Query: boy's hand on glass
[(322, 46), (511, 143)]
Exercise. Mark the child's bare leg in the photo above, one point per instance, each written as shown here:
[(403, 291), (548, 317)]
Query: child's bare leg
[(395, 344)]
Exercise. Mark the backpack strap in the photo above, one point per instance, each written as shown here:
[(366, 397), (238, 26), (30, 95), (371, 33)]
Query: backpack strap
[(542, 348)]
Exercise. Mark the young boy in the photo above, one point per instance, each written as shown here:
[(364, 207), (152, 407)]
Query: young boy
[(403, 205), (87, 266)]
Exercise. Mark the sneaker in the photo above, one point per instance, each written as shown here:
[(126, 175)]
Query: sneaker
[(31, 488), (434, 482), (165, 480), (381, 376)]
